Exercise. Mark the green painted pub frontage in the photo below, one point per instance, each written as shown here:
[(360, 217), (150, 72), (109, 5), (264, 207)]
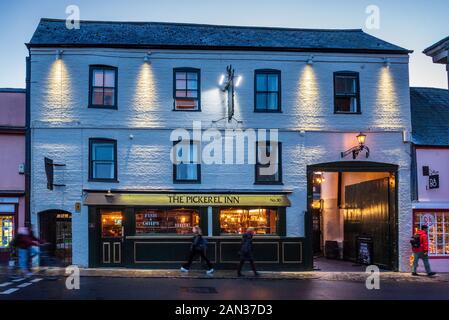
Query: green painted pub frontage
[(153, 229)]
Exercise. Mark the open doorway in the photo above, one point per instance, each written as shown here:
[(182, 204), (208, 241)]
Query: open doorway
[(352, 206), (55, 227)]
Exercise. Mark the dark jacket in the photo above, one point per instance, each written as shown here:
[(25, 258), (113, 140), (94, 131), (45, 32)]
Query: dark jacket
[(246, 249), (198, 243), (22, 241), (423, 242)]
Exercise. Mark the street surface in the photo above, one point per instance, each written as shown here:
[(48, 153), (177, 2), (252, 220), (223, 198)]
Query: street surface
[(40, 287)]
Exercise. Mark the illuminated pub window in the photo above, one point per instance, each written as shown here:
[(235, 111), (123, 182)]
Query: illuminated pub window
[(111, 224), (438, 230), (174, 221), (236, 221)]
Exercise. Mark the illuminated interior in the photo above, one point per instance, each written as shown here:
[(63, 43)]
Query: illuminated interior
[(6, 230), (111, 224), (173, 221), (236, 221)]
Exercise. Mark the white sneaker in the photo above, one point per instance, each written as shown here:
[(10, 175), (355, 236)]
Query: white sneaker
[(184, 269), (210, 271)]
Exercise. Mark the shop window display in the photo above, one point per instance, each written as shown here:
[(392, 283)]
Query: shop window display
[(173, 221), (236, 221), (438, 223), (6, 230)]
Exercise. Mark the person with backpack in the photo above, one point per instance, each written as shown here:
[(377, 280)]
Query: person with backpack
[(246, 251), (198, 248), (420, 248)]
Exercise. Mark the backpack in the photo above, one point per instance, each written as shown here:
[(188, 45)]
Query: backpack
[(415, 241)]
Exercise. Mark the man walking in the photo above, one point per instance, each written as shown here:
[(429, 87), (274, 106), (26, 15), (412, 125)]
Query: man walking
[(246, 251), (420, 248)]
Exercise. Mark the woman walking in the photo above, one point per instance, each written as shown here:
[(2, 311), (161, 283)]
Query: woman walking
[(246, 251), (198, 248)]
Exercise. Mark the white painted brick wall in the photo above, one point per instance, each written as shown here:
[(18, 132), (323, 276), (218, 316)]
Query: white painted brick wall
[(62, 123)]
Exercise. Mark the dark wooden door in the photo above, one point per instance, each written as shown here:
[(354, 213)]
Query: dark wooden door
[(367, 213), (111, 238)]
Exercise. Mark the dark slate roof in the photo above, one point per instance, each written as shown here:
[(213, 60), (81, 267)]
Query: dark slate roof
[(53, 33), (436, 45), (430, 116)]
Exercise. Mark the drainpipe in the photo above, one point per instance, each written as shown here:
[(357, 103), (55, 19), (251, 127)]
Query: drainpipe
[(28, 142)]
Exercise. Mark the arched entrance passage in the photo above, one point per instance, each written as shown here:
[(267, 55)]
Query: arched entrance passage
[(353, 211), (55, 227)]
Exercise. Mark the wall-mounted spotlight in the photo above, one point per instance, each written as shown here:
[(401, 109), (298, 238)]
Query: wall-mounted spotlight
[(387, 63), (310, 61), (58, 55), (361, 138), (147, 57)]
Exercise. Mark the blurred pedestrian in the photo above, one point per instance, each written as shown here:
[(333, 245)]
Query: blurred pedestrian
[(198, 248), (22, 242), (246, 251)]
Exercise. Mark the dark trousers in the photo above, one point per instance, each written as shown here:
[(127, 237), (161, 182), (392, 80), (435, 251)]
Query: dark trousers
[(251, 262), (193, 254)]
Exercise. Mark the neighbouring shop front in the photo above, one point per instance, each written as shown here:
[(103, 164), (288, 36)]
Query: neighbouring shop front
[(154, 230)]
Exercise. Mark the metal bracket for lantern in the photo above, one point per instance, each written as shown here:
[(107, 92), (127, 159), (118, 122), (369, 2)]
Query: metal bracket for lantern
[(227, 85), (361, 138), (49, 171)]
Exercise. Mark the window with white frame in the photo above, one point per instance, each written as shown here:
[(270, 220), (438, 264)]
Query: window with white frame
[(438, 231)]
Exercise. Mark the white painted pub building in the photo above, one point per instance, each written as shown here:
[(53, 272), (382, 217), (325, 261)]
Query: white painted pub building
[(105, 99)]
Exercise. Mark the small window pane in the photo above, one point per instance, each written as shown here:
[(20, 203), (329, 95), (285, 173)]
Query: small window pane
[(192, 84), (103, 151), (192, 94), (98, 78), (346, 104), (192, 76), (109, 97), (97, 96), (109, 78), (181, 76), (272, 101), (261, 82), (272, 82), (103, 170), (181, 84), (181, 93), (261, 101)]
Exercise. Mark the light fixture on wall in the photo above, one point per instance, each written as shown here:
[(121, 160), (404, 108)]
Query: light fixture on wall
[(310, 61), (58, 55), (387, 63), (147, 57), (361, 138)]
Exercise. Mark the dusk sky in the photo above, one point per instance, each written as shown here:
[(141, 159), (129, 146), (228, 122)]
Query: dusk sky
[(411, 24)]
